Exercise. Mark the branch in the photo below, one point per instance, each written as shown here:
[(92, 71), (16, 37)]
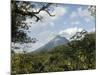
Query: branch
[(43, 8), (37, 18), (49, 13), (28, 13)]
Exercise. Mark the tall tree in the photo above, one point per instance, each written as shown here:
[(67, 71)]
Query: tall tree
[(20, 11)]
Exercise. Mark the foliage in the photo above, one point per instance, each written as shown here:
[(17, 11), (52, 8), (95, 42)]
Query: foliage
[(76, 55), (92, 10), (21, 10)]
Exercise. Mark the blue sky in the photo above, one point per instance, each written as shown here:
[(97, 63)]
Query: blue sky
[(68, 19)]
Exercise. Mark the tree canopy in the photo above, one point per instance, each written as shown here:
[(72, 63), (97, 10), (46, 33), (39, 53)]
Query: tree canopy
[(20, 11), (76, 55)]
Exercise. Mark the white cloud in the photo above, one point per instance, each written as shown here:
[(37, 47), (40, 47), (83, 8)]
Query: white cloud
[(75, 23), (35, 46), (46, 20), (70, 31), (26, 47), (92, 30), (47, 35), (43, 38), (82, 13), (43, 24), (85, 13), (59, 11), (52, 24), (73, 15)]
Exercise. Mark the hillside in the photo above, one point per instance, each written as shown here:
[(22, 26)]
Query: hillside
[(56, 41), (75, 55)]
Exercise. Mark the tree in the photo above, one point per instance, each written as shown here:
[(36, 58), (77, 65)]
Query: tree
[(92, 10), (79, 35), (20, 11)]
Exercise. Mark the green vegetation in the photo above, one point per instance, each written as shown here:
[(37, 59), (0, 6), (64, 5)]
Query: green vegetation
[(76, 55)]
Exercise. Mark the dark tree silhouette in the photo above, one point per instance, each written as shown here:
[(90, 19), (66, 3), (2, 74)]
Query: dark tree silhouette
[(79, 35), (20, 11)]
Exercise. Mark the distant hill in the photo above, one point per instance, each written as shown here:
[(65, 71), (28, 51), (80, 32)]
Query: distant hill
[(75, 55), (56, 41)]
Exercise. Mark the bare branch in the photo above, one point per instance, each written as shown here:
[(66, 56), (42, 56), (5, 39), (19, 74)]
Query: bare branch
[(28, 13), (49, 13)]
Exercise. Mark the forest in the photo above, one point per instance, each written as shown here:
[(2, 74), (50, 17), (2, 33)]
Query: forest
[(76, 55)]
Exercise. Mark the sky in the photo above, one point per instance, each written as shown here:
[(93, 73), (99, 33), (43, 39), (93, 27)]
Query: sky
[(68, 20)]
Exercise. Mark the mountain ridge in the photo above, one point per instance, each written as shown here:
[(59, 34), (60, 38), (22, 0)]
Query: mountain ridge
[(56, 41)]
